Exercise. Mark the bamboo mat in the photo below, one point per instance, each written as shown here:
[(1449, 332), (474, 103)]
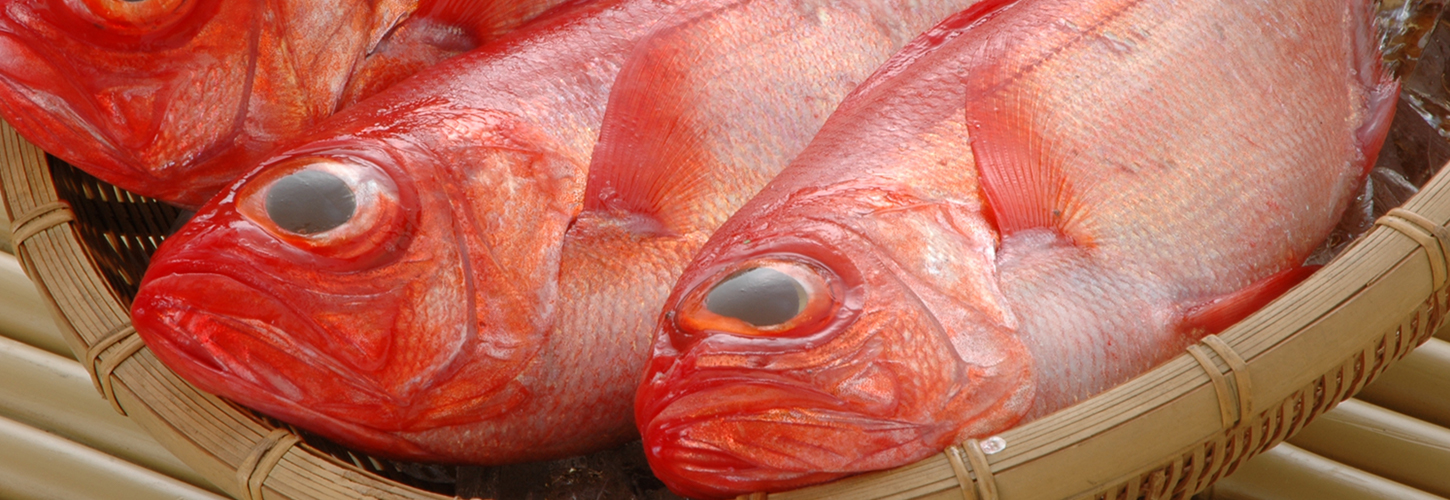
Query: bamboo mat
[(62, 440)]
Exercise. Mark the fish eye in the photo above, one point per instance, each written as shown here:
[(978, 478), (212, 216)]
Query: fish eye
[(770, 297), (339, 207), (310, 201), (760, 296)]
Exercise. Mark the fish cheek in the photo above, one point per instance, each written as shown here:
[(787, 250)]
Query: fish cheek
[(431, 329), (898, 366)]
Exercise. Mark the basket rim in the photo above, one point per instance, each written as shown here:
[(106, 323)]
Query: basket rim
[(1192, 401)]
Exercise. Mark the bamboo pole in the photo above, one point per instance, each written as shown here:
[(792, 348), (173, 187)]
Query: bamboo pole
[(1382, 442), (40, 465), (1419, 386), (23, 314), (1287, 472), (54, 394)]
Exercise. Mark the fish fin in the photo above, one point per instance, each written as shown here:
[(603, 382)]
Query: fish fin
[(1381, 88), (1222, 312), (485, 19), (651, 165), (1020, 178)]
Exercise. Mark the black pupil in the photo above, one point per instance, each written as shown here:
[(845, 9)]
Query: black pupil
[(310, 201), (759, 296)]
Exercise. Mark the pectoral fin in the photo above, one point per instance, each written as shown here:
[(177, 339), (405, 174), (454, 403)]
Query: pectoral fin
[(654, 165)]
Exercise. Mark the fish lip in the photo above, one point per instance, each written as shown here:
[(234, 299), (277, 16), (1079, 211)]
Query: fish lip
[(179, 264), (714, 379), (700, 466), (258, 391), (234, 372)]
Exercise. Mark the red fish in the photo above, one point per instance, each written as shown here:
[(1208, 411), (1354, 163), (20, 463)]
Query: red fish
[(489, 294), (1032, 203), (175, 99)]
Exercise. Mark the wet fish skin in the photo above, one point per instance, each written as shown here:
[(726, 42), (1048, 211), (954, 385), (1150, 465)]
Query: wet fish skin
[(174, 99), (511, 283), (398, 330), (1030, 204)]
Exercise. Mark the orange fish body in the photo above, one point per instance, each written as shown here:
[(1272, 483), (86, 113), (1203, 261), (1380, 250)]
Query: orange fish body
[(1032, 203), (490, 296), (175, 99), (370, 329)]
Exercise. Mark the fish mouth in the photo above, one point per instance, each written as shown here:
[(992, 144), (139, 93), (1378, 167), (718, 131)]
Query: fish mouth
[(735, 434), (253, 360)]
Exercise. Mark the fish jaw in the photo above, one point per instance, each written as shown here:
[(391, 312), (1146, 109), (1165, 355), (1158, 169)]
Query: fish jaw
[(724, 413), (224, 355), (796, 437), (380, 329)]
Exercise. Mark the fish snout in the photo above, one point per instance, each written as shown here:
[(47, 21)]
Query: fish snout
[(227, 338), (733, 437)]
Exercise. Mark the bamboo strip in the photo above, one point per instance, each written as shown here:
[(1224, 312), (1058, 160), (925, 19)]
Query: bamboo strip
[(40, 465), (5, 240), (1289, 473)]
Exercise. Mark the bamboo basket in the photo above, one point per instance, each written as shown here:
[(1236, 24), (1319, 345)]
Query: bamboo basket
[(1167, 434)]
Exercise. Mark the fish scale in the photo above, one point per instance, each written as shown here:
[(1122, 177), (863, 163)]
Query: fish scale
[(512, 267), (176, 99), (1109, 181)]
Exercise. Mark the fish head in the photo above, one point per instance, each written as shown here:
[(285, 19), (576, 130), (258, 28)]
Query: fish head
[(174, 98), (339, 287), (800, 347)]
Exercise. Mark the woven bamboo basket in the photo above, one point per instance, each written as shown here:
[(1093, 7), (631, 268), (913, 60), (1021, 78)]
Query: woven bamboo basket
[(1167, 434)]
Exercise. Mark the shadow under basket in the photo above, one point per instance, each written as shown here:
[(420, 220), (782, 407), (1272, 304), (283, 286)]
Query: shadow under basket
[(1167, 434)]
